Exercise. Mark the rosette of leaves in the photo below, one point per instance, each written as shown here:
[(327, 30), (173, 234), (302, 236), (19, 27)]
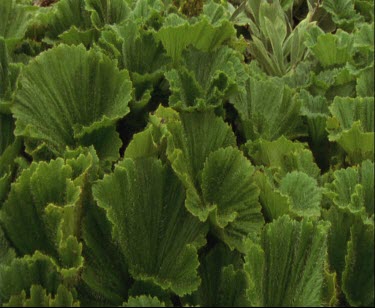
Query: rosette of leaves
[(136, 50), (41, 220), (289, 179), (55, 106), (201, 149), (345, 62), (205, 80), (267, 109), (276, 46), (35, 281), (43, 209), (352, 126), (351, 238)]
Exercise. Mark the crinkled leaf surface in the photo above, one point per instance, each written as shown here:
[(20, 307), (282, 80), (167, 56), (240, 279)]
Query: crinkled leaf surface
[(304, 193), (283, 155), (39, 298), (145, 203), (357, 284), (14, 19), (224, 282), (268, 109), (287, 268), (43, 209), (191, 138), (107, 11), (22, 273), (237, 210), (206, 78), (177, 33), (55, 103), (352, 126)]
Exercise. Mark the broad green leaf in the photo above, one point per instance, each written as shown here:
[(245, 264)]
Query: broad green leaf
[(105, 273), (191, 139), (337, 81), (14, 20), (304, 194), (352, 126), (229, 188), (332, 49), (107, 11), (224, 282), (145, 203), (365, 82), (353, 188), (177, 33), (64, 15), (358, 276), (74, 36), (268, 109), (55, 104), (287, 268), (39, 298), (206, 79), (283, 155), (274, 203), (143, 301)]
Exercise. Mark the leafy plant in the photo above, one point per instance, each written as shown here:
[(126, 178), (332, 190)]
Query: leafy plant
[(186, 153)]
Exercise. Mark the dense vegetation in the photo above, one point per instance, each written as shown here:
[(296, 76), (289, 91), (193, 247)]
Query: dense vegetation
[(186, 153)]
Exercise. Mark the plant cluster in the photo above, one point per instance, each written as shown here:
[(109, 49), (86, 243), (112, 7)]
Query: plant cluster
[(186, 153)]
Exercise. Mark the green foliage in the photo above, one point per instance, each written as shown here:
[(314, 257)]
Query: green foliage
[(160, 153)]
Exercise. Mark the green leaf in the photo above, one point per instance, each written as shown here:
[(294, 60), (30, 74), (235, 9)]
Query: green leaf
[(191, 138), (358, 277), (177, 33), (343, 13), (107, 11), (268, 109), (315, 109), (304, 193), (24, 272), (365, 82), (206, 79), (143, 301), (283, 155), (224, 282), (274, 203), (352, 126), (55, 104), (105, 273), (39, 298), (43, 209), (287, 268), (145, 203), (236, 210), (65, 15), (332, 49), (14, 20), (352, 188)]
